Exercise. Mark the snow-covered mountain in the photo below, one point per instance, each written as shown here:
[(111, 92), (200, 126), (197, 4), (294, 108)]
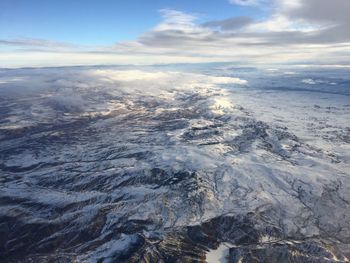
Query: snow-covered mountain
[(175, 164)]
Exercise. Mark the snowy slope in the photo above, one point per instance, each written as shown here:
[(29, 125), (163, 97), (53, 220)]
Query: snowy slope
[(152, 164)]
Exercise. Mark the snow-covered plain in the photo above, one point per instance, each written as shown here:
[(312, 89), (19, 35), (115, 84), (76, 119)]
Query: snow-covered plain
[(168, 163)]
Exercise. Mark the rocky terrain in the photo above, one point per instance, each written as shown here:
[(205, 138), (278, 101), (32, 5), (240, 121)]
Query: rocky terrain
[(161, 165)]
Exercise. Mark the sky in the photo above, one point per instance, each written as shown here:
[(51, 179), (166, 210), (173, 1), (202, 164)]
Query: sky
[(90, 32)]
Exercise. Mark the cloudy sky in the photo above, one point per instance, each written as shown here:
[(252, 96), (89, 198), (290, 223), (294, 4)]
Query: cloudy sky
[(56, 33)]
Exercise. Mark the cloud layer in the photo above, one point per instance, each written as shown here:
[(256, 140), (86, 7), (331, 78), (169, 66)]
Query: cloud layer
[(313, 31)]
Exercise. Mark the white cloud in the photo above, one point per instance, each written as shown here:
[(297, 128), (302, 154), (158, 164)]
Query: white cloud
[(308, 81), (282, 23), (250, 2), (176, 18), (156, 82)]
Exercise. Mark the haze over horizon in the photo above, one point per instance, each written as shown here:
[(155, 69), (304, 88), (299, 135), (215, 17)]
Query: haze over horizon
[(63, 33)]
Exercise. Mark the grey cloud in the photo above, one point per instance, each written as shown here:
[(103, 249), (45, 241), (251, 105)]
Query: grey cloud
[(332, 14), (38, 44), (335, 11), (334, 35), (332, 17), (229, 24), (193, 41), (176, 38)]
